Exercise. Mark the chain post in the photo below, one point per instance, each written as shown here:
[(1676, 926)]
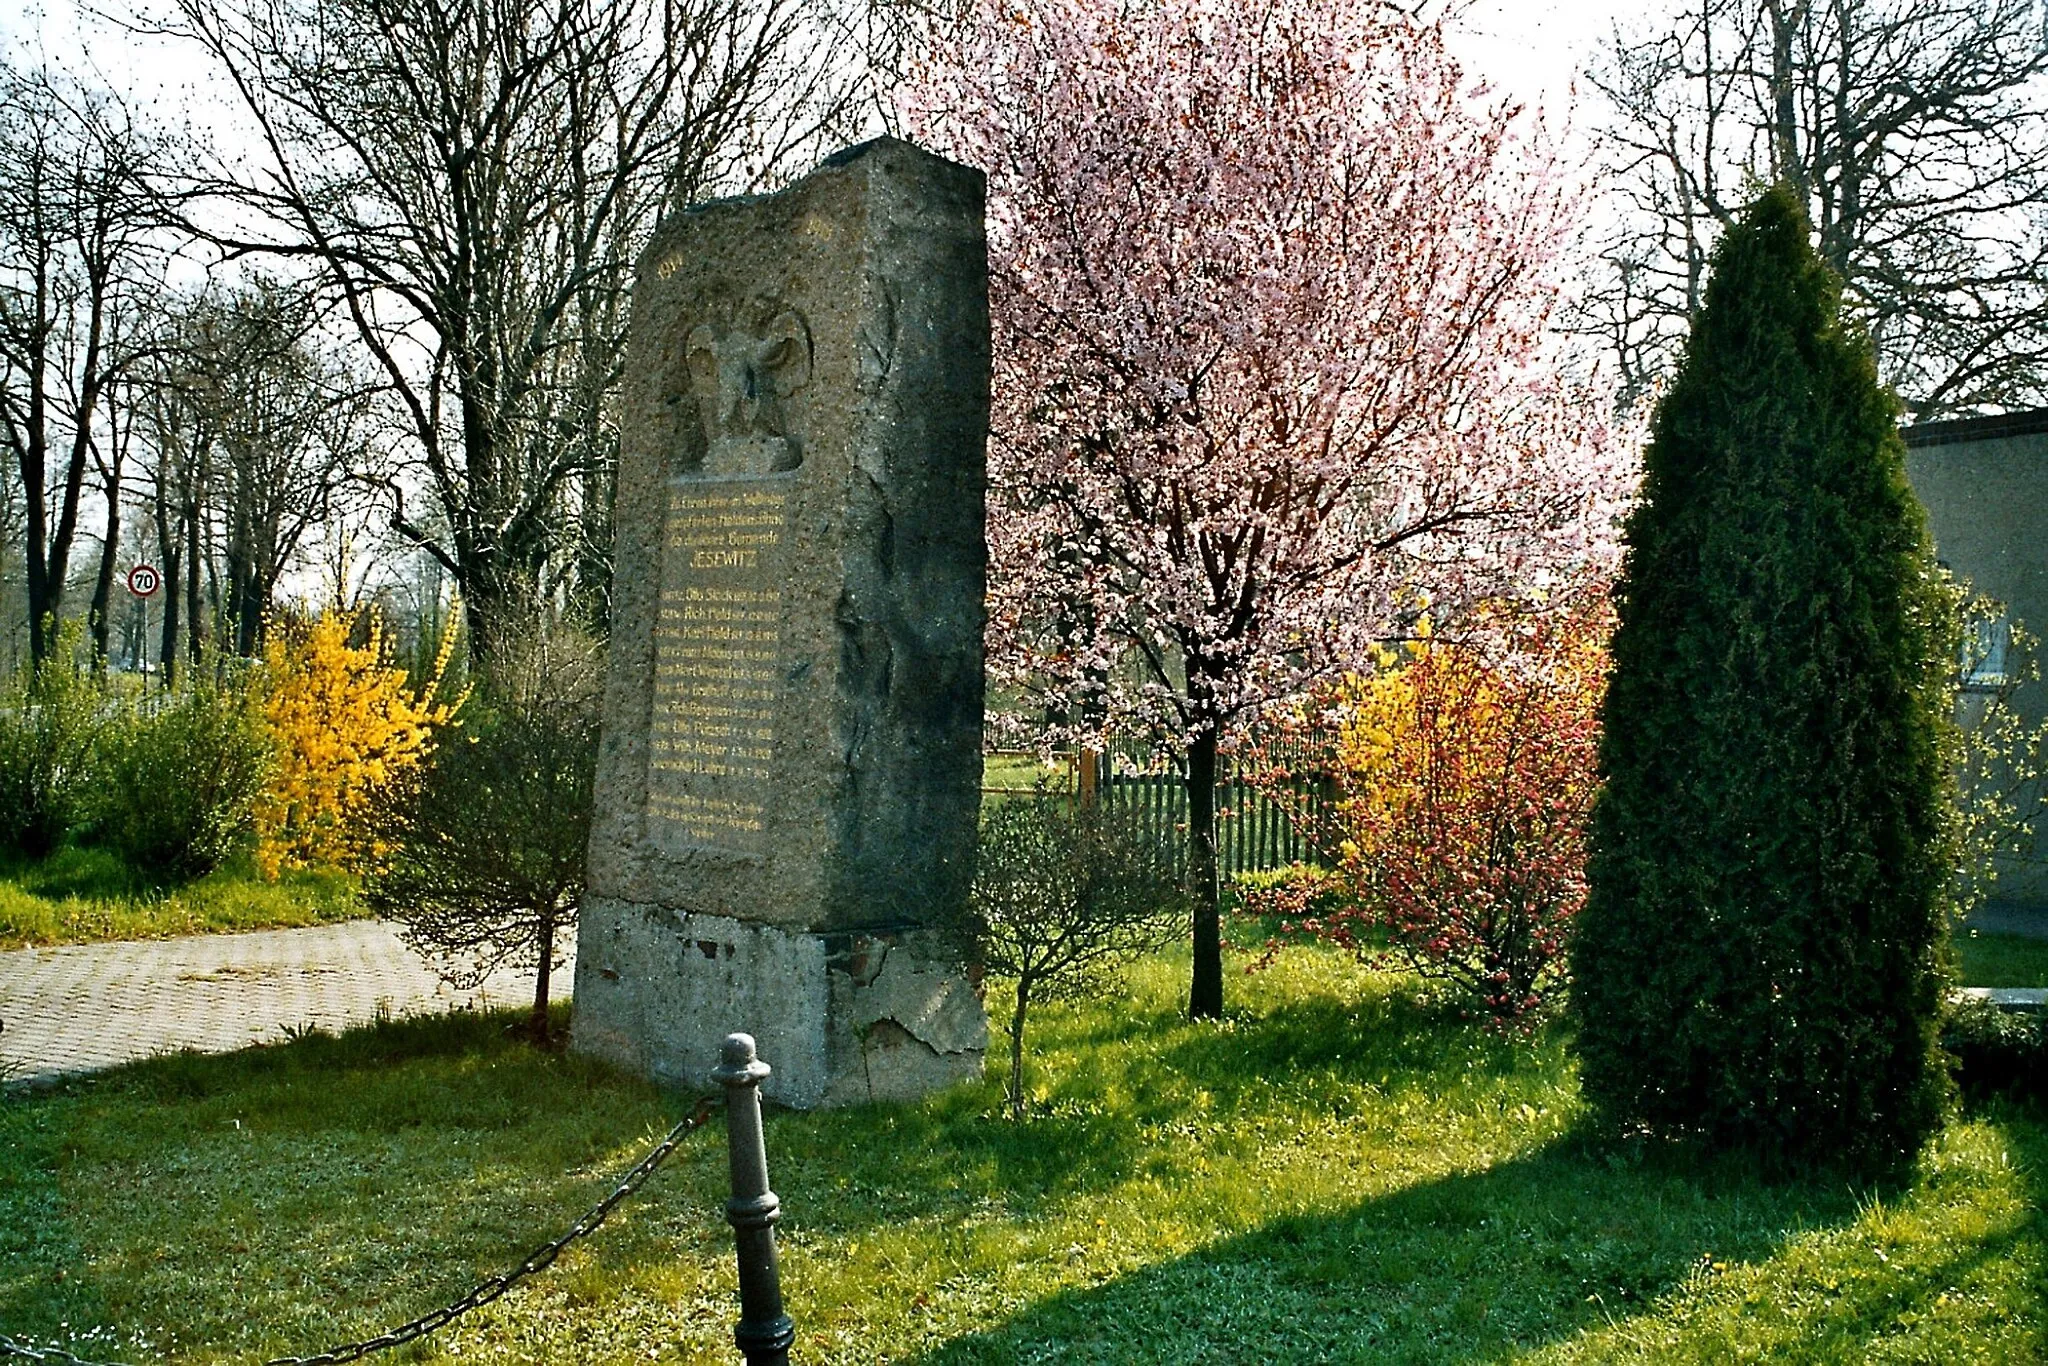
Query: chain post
[(764, 1333)]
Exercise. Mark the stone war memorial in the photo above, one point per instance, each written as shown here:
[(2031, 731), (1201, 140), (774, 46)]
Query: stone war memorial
[(790, 775)]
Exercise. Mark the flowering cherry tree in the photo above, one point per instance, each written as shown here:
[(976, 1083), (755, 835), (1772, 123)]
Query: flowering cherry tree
[(1269, 284)]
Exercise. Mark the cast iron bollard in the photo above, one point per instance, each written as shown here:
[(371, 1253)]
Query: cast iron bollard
[(765, 1333)]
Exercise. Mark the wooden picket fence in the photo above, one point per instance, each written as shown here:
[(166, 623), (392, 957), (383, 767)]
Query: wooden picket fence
[(1259, 826)]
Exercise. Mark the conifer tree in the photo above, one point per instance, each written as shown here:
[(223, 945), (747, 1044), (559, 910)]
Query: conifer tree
[(1759, 963)]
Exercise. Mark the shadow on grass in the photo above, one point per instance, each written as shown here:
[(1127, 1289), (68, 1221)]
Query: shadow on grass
[(327, 1186), (1481, 1266), (875, 1166), (310, 1190), (1118, 1080), (348, 1076), (78, 871), (1380, 1033)]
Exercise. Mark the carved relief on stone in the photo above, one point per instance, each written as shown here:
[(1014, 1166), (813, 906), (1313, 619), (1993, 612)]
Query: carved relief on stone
[(744, 365)]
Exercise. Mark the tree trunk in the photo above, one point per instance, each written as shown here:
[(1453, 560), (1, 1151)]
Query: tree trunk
[(1785, 21), (195, 621), (543, 970), (110, 547), (33, 445), (238, 610), (167, 551), (103, 587), (594, 558), (1016, 1086), (1205, 996)]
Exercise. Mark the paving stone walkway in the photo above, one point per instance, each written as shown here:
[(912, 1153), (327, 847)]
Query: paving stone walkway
[(86, 1006), (2030, 999)]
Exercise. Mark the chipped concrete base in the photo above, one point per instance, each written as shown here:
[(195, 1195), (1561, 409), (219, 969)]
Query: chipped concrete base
[(842, 1018)]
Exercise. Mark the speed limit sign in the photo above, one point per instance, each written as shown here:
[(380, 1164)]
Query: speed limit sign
[(143, 580)]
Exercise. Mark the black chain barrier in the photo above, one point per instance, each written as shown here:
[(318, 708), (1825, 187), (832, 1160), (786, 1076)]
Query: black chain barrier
[(537, 1261)]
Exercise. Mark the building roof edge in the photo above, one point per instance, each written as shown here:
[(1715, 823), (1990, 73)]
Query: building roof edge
[(1956, 430)]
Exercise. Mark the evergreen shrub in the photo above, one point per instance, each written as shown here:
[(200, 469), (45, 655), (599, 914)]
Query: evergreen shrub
[(1760, 960)]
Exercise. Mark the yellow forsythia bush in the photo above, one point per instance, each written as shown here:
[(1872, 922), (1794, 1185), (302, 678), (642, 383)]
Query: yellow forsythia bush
[(1465, 776), (344, 723)]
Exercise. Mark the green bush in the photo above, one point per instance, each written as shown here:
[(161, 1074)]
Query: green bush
[(1760, 962), (178, 781), (484, 849), (51, 719), (1997, 1052), (1062, 893)]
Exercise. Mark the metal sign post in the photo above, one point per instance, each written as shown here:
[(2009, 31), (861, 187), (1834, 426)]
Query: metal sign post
[(143, 582)]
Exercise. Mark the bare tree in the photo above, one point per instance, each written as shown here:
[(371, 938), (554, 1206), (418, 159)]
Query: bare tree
[(256, 436), (13, 536), (1915, 130), (181, 436), (471, 179), (77, 234), (484, 848), (110, 462)]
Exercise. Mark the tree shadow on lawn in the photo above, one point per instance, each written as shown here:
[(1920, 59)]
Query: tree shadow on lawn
[(337, 1181), (1388, 1028), (848, 1170), (1486, 1266), (291, 1182), (401, 1178), (1117, 1079)]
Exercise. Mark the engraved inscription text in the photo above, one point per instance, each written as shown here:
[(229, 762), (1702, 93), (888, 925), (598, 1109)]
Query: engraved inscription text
[(718, 662)]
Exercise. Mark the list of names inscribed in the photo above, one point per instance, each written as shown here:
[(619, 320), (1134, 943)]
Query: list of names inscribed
[(718, 662)]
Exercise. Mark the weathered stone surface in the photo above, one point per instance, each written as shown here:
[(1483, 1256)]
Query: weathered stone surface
[(652, 983), (793, 725)]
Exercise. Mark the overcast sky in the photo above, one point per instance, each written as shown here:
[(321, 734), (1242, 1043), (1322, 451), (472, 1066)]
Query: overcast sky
[(1534, 47), (1530, 48)]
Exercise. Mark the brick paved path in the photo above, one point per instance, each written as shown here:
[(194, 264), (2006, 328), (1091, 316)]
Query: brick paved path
[(87, 1006)]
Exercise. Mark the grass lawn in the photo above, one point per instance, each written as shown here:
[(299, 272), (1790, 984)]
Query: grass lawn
[(81, 895), (2001, 960), (1011, 772), (1340, 1172)]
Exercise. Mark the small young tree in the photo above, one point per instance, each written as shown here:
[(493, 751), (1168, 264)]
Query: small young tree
[(484, 849), (1758, 963), (1064, 892)]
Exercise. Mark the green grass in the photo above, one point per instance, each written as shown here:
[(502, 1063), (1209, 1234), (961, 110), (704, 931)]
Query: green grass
[(80, 895), (1009, 772), (2001, 960), (1342, 1171)]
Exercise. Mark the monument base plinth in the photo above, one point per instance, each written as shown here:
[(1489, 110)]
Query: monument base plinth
[(845, 1018)]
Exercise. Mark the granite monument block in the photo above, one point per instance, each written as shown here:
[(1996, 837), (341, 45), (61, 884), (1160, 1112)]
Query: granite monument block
[(790, 773)]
